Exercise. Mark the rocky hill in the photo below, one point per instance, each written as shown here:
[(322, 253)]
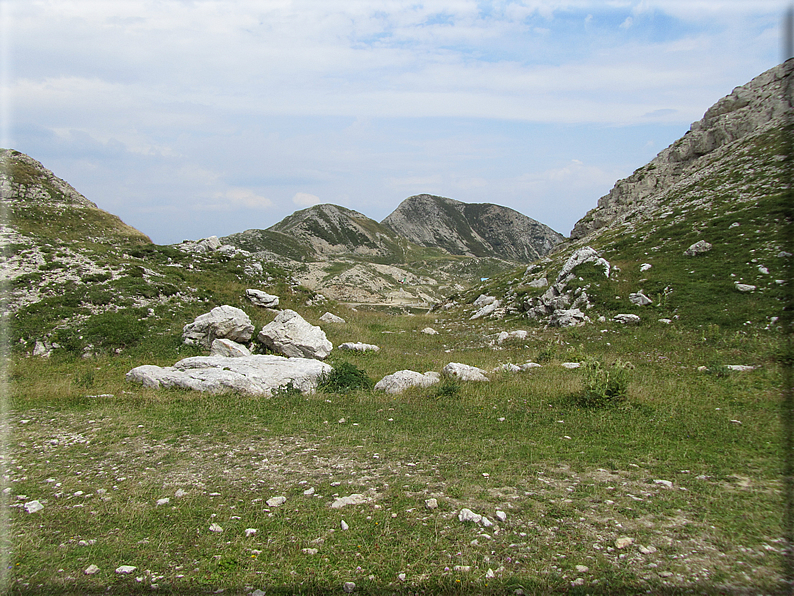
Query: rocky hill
[(751, 114), (471, 229), (693, 238)]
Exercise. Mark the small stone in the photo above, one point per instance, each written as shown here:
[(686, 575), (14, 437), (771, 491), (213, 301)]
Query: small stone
[(215, 528), (487, 523), (431, 504), (490, 574), (33, 506), (91, 570), (501, 516), (623, 542), (331, 318), (647, 550), (467, 515), (258, 593), (344, 526), (348, 587), (462, 568), (250, 532), (429, 331), (276, 501), (179, 493), (309, 551), (401, 577), (579, 581), (582, 568), (309, 491), (163, 501), (665, 321), (354, 499), (125, 569), (571, 365), (664, 483), (745, 287), (665, 574)]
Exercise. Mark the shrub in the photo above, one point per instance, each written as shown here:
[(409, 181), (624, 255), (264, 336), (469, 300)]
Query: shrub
[(604, 385), (449, 387), (345, 377)]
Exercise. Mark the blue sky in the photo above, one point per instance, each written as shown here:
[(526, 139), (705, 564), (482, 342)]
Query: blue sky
[(189, 118)]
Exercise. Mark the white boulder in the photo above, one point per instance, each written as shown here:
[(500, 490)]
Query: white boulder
[(626, 319), (291, 335), (486, 310), (228, 349), (403, 379), (640, 299), (359, 347), (429, 331), (257, 375), (571, 317), (222, 322), (697, 248), (586, 254), (260, 298), (464, 372), (745, 287), (331, 318)]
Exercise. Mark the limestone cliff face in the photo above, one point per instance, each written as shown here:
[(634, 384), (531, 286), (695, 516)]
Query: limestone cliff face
[(471, 229), (752, 110)]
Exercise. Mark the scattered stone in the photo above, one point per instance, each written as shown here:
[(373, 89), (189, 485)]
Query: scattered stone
[(623, 542), (541, 282), (582, 568), (467, 515), (586, 254), (291, 335), (665, 321), (33, 506), (179, 493), (664, 483), (260, 298), (276, 501), (250, 532), (640, 299), (572, 317), (163, 501), (91, 570), (511, 368), (486, 523), (626, 319), (258, 593), (745, 287), (401, 577), (645, 267), (518, 334), (486, 310), (431, 503), (344, 526), (331, 318), (740, 367), (309, 492), (348, 587), (403, 379), (490, 574), (571, 365), (530, 365), (647, 550), (697, 248), (125, 569), (215, 528), (309, 551), (359, 347), (354, 499), (429, 331), (665, 574), (222, 322), (462, 568), (501, 516), (228, 349), (464, 372)]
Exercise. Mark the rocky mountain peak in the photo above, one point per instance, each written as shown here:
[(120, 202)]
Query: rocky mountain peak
[(471, 229), (750, 110)]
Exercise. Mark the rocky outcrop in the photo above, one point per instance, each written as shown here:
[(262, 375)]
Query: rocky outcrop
[(222, 322), (291, 335), (749, 110), (471, 229), (260, 298), (464, 372), (403, 379), (256, 375)]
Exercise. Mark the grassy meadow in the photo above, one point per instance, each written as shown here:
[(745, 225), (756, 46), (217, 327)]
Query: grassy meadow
[(674, 490)]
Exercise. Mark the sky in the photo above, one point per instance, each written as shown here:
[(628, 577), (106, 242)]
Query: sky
[(192, 118)]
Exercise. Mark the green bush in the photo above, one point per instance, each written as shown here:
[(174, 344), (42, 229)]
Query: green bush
[(449, 387), (345, 377), (604, 385)]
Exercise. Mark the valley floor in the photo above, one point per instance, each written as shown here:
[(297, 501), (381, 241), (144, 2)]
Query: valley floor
[(675, 491)]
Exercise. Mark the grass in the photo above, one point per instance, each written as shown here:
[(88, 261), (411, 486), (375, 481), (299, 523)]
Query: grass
[(571, 479)]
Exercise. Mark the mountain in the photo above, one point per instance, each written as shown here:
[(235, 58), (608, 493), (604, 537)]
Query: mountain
[(706, 155), (720, 187), (39, 202), (471, 229)]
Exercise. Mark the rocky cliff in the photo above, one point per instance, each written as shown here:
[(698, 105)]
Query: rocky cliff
[(471, 229), (751, 113)]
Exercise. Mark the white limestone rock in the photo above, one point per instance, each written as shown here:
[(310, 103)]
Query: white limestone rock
[(276, 501), (586, 254), (572, 317), (626, 319), (228, 349), (467, 515), (260, 298), (354, 499), (640, 299), (519, 334), (291, 335), (429, 331), (257, 374), (403, 379), (331, 318), (697, 248), (222, 322), (464, 372), (745, 287), (359, 347), (541, 282), (486, 310), (484, 300)]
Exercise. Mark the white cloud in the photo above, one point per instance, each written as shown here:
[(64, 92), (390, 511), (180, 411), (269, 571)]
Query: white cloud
[(304, 199), (243, 197), (627, 23)]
